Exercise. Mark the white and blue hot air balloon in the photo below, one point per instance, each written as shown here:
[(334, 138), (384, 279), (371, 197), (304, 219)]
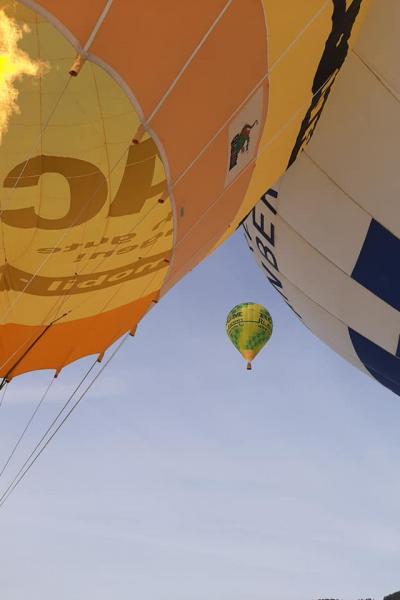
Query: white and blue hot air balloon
[(327, 235)]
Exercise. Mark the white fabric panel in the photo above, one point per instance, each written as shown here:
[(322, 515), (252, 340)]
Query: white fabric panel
[(378, 43), (357, 142), (329, 329), (322, 214), (282, 250), (328, 286), (314, 235)]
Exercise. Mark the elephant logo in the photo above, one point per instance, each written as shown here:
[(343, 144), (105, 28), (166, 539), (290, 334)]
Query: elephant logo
[(240, 143)]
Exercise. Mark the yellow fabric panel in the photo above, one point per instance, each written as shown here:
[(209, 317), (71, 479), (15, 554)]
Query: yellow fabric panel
[(297, 33), (83, 212)]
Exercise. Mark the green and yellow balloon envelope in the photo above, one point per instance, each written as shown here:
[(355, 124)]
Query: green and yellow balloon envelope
[(249, 327)]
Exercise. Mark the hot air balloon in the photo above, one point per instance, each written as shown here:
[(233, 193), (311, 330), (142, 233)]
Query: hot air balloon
[(327, 235), (135, 137), (249, 327)]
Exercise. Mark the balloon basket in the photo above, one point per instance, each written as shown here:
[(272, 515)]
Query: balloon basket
[(249, 367)]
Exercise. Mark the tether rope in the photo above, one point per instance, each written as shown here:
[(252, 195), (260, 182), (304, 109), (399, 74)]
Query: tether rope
[(27, 464), (32, 457), (22, 435), (3, 395), (46, 433)]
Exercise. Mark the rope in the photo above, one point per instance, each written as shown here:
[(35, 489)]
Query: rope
[(250, 94), (27, 465), (189, 60), (22, 435), (261, 151), (3, 395), (17, 179), (66, 298), (97, 26), (98, 265), (32, 453), (35, 341), (39, 138), (59, 241)]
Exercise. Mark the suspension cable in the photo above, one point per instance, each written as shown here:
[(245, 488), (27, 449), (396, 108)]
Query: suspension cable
[(39, 138), (59, 241), (67, 402), (266, 75), (27, 465), (3, 394), (5, 495), (35, 341), (32, 457), (22, 435), (262, 149), (8, 491)]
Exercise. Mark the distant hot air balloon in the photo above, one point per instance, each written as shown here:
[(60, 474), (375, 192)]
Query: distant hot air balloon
[(135, 137), (327, 235), (249, 327)]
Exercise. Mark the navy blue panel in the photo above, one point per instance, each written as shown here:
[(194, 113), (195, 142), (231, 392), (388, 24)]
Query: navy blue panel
[(381, 364), (378, 265)]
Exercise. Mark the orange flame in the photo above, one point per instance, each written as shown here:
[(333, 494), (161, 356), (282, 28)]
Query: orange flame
[(14, 64)]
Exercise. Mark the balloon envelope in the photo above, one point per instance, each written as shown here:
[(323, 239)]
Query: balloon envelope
[(327, 235), (249, 327), (118, 180)]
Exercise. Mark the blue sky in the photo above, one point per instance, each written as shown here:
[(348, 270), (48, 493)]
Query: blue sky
[(184, 477)]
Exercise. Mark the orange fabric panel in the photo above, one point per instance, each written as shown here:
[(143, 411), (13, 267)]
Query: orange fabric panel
[(65, 342), (77, 16), (148, 41), (204, 184), (225, 71), (207, 231), (227, 68), (201, 186)]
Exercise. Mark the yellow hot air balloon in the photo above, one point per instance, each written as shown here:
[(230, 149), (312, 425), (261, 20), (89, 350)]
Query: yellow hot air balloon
[(135, 137), (249, 327)]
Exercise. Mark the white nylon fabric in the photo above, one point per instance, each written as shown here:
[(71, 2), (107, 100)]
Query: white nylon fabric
[(357, 140), (327, 235)]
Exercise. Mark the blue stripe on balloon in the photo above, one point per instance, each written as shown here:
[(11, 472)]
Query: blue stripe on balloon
[(382, 365), (378, 265)]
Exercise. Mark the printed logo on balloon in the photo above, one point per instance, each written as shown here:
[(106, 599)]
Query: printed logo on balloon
[(244, 134)]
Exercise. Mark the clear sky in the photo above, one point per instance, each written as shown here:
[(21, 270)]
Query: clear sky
[(184, 477)]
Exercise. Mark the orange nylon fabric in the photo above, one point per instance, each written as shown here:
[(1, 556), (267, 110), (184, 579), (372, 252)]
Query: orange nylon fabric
[(80, 338), (182, 113), (76, 16)]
